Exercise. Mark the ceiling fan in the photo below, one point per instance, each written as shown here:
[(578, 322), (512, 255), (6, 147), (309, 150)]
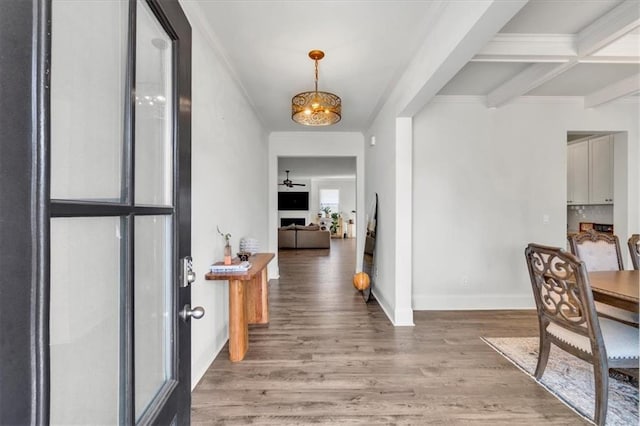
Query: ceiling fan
[(288, 183)]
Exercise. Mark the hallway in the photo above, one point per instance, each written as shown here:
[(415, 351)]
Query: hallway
[(328, 358)]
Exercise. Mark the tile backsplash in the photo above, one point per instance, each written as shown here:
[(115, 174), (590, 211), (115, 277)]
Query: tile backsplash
[(595, 214)]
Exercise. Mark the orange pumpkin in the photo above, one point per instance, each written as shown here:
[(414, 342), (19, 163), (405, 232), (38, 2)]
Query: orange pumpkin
[(361, 281)]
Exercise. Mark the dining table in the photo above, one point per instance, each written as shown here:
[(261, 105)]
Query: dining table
[(616, 288)]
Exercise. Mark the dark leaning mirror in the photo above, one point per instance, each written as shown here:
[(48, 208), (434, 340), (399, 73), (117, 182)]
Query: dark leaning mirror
[(368, 258)]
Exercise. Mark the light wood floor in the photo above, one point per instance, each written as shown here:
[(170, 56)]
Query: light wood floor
[(328, 358)]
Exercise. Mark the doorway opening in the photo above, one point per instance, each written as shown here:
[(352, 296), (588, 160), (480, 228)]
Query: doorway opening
[(319, 195), (597, 181)]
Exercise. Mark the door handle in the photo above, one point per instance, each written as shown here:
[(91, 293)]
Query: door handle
[(187, 313)]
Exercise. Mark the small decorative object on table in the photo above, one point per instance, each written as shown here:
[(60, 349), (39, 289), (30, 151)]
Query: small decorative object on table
[(249, 245), (243, 255), (227, 246)]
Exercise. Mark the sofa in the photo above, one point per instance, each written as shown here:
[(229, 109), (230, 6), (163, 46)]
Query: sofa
[(303, 237)]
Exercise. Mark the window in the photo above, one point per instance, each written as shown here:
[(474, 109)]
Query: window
[(330, 198)]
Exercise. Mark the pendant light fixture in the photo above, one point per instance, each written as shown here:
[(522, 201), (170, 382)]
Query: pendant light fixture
[(316, 108)]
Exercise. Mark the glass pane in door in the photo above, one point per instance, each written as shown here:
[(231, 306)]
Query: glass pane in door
[(84, 320), (88, 69), (153, 307), (154, 121)]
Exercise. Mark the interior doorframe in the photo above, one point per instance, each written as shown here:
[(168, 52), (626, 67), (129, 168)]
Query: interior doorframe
[(621, 184), (314, 144)]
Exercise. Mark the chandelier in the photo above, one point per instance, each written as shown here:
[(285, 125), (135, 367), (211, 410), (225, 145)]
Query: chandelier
[(316, 108)]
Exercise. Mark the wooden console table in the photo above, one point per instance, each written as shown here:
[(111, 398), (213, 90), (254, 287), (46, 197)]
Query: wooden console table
[(248, 302)]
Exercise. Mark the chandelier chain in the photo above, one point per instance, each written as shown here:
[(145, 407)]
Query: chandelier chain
[(316, 76)]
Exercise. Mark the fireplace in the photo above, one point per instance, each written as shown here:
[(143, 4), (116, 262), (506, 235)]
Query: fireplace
[(285, 221)]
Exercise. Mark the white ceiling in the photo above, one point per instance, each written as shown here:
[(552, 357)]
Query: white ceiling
[(557, 16), (366, 43), (549, 48)]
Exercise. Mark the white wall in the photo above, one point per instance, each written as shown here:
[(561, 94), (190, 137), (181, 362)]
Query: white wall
[(313, 144), (484, 179), (388, 165), (460, 30), (229, 177), (381, 179)]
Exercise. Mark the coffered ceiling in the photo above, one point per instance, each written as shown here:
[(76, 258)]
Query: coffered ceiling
[(589, 49)]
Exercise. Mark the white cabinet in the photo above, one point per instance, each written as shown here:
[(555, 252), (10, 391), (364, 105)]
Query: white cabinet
[(578, 173), (590, 171), (601, 170)]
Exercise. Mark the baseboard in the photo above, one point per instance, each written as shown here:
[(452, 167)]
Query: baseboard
[(207, 359), (274, 271), (472, 302), (386, 308), (401, 319), (404, 318)]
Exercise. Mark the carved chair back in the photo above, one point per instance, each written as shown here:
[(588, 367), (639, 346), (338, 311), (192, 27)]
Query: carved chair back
[(562, 292), (634, 250), (599, 251)]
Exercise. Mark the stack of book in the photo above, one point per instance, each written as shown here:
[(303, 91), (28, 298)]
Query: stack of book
[(220, 267)]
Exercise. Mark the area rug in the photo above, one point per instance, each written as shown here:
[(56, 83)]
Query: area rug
[(570, 379)]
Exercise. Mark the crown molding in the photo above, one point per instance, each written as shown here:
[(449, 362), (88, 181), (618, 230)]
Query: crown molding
[(463, 99), (195, 14)]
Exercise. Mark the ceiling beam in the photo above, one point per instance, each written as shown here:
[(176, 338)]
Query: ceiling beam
[(533, 76), (461, 30), (528, 48), (601, 33), (556, 48), (628, 86), (608, 28)]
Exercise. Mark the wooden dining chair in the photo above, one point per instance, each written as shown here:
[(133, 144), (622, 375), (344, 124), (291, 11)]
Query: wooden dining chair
[(634, 250), (601, 252), (567, 318)]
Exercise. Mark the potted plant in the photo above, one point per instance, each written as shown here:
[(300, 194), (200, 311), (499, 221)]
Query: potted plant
[(335, 221), (326, 210)]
